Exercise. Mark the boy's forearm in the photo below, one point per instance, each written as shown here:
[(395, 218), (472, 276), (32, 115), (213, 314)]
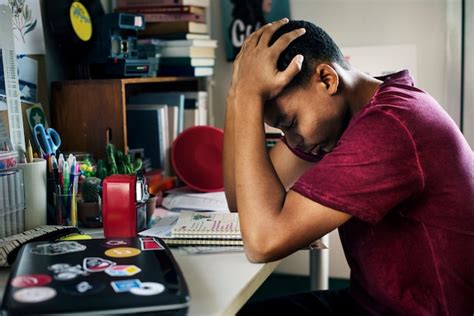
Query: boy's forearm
[(259, 192)]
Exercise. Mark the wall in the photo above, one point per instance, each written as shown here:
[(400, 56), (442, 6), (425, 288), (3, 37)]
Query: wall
[(469, 72), (364, 23), (361, 23)]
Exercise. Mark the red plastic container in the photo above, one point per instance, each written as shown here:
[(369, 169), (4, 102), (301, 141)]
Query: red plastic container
[(122, 215), (196, 155)]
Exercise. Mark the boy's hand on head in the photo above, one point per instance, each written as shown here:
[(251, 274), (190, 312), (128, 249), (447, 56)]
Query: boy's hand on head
[(255, 67)]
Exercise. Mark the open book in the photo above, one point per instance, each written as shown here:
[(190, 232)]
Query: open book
[(206, 228)]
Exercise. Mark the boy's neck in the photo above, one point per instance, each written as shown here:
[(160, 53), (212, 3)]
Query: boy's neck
[(359, 89)]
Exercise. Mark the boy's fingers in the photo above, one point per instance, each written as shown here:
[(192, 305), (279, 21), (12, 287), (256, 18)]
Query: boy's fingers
[(269, 30), (254, 38), (286, 39), (292, 70)]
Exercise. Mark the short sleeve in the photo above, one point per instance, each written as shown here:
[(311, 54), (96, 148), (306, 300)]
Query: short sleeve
[(373, 169), (301, 154)]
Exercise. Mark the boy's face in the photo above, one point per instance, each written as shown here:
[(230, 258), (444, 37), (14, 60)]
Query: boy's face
[(311, 119)]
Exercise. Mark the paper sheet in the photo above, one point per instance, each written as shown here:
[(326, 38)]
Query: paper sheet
[(9, 82), (164, 223), (182, 199), (27, 26)]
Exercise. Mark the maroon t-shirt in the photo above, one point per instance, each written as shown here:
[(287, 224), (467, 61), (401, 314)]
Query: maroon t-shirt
[(405, 172)]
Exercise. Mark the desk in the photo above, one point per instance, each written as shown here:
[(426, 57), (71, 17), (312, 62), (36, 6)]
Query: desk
[(219, 284)]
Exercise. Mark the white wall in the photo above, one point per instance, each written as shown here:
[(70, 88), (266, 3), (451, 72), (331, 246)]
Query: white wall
[(469, 73), (362, 23), (367, 22)]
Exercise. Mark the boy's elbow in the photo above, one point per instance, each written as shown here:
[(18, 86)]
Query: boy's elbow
[(261, 251)]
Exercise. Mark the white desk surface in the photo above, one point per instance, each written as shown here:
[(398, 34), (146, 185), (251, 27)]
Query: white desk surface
[(219, 284)]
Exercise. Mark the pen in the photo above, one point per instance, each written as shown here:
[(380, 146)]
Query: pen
[(75, 183), (54, 164), (65, 187)]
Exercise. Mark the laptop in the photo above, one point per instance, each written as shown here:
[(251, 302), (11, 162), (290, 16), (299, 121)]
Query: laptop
[(97, 276)]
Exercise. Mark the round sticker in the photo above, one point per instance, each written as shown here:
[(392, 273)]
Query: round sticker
[(30, 280), (81, 21), (122, 252), (148, 288), (34, 294)]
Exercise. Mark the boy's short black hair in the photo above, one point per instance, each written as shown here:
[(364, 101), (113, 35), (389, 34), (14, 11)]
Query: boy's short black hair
[(315, 45)]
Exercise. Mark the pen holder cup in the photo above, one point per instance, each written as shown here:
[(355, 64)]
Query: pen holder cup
[(65, 207), (34, 175)]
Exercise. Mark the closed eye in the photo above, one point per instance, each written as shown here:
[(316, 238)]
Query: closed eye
[(291, 125)]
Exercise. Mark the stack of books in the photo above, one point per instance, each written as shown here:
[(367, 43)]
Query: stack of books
[(176, 34)]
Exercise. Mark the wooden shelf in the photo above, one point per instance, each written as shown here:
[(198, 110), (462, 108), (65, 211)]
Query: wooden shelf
[(89, 113)]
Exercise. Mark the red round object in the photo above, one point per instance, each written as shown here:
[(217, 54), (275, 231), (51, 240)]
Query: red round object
[(196, 155), (29, 280)]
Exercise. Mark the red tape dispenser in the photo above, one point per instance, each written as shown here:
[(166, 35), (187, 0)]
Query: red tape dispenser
[(124, 199)]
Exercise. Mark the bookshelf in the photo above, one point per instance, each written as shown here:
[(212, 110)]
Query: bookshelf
[(89, 113)]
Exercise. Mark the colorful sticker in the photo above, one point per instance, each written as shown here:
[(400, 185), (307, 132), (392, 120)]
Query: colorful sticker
[(29, 280), (65, 276), (122, 252), (65, 272), (95, 264), (150, 243), (84, 288), (148, 288), (59, 267), (115, 243), (59, 248), (34, 294), (80, 21), (123, 270), (125, 285)]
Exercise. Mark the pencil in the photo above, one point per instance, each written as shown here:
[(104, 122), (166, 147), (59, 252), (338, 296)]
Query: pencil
[(29, 152)]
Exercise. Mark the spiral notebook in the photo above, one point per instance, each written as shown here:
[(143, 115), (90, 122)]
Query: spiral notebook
[(206, 228)]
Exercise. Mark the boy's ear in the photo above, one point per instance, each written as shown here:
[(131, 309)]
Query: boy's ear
[(328, 77)]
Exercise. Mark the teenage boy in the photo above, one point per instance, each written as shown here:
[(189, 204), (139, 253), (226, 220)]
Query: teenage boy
[(375, 157)]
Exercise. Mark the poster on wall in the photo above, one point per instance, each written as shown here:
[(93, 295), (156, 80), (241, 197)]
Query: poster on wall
[(240, 18), (27, 26)]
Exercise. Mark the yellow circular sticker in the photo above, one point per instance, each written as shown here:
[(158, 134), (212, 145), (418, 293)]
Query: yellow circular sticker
[(81, 21), (122, 252)]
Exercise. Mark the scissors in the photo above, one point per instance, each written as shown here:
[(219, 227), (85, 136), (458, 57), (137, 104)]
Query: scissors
[(47, 140)]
